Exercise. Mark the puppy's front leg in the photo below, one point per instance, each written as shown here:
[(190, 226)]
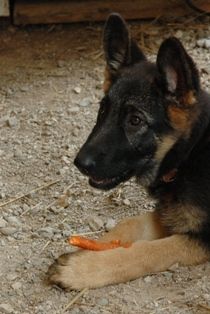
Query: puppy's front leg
[(97, 269)]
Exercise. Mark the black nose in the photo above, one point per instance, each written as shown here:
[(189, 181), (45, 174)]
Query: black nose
[(86, 164)]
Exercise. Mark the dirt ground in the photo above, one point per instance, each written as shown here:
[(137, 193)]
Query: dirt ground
[(50, 85)]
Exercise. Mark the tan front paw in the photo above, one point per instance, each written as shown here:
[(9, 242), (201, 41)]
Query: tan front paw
[(82, 269)]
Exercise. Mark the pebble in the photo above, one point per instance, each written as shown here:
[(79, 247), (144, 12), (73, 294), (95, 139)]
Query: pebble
[(8, 230), (17, 285), (110, 224), (12, 276), (63, 201), (148, 279), (85, 102), (126, 202), (77, 90), (12, 122), (6, 308), (61, 63), (13, 221), (46, 232), (24, 89), (3, 223), (73, 110), (204, 43), (103, 301), (95, 223)]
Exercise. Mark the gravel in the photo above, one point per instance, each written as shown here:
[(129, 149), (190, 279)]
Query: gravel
[(51, 78)]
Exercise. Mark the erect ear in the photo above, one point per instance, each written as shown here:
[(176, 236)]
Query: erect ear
[(120, 50), (177, 72)]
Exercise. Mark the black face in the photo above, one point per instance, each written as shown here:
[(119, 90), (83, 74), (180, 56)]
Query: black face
[(139, 116), (124, 140)]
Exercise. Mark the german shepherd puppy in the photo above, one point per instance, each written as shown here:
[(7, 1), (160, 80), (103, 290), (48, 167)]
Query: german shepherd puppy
[(154, 124)]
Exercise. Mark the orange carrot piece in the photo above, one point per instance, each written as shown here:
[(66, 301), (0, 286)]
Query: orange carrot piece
[(95, 245)]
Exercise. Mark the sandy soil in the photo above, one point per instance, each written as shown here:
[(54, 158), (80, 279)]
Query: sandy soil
[(49, 91)]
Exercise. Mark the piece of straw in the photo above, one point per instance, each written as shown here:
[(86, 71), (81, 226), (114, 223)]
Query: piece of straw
[(81, 293), (28, 193)]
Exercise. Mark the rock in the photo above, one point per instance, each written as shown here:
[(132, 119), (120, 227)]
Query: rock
[(77, 90), (73, 110), (63, 170), (2, 195), (103, 301), (46, 232), (179, 33), (12, 122), (110, 224), (61, 63), (3, 223), (6, 308), (24, 89), (63, 201), (126, 202), (12, 276), (13, 221), (148, 279), (85, 102), (8, 230), (203, 43), (95, 223), (207, 43), (17, 285)]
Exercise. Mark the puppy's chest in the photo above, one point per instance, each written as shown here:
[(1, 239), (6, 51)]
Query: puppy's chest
[(181, 217)]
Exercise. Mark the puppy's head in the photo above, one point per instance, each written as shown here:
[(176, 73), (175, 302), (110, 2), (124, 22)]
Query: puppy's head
[(145, 110)]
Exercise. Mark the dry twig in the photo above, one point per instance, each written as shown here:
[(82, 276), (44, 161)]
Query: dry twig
[(81, 293), (28, 193)]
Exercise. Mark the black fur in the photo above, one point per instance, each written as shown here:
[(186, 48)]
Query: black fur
[(146, 105)]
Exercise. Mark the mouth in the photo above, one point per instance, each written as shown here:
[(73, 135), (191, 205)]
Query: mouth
[(109, 183)]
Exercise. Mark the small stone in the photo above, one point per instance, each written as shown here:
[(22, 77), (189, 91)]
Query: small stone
[(63, 201), (8, 230), (110, 224), (2, 195), (179, 33), (17, 285), (167, 274), (85, 102), (148, 279), (12, 122), (13, 221), (60, 63), (207, 43), (63, 171), (73, 110), (24, 89), (103, 301), (12, 277), (6, 308), (126, 202), (3, 223), (77, 90), (46, 232), (203, 43), (95, 223)]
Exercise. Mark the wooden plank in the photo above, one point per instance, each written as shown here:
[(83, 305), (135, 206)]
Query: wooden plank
[(4, 7), (65, 11)]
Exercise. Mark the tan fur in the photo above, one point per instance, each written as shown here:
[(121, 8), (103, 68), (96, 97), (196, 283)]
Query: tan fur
[(184, 116), (96, 269), (182, 218), (189, 98), (144, 227), (107, 80), (164, 145)]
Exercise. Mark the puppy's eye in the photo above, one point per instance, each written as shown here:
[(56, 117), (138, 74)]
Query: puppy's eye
[(135, 120)]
